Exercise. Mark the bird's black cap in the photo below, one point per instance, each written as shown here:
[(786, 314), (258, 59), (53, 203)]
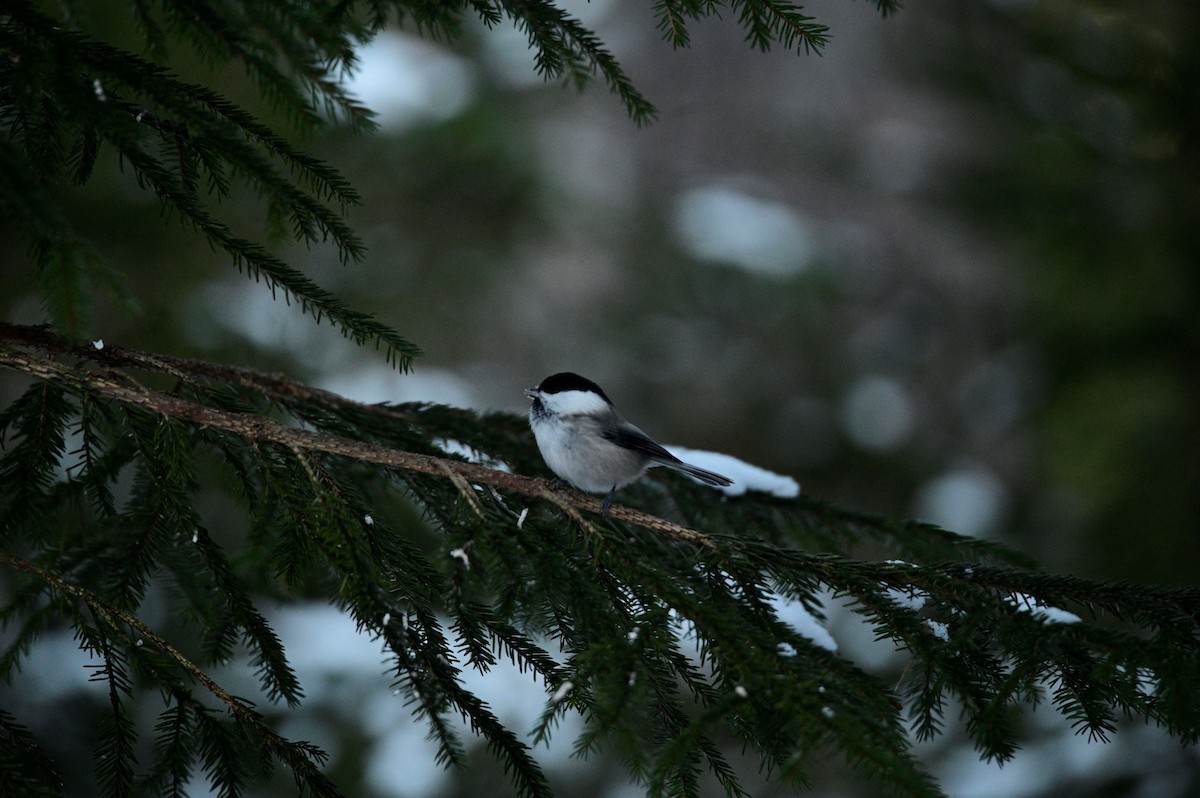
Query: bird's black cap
[(569, 381)]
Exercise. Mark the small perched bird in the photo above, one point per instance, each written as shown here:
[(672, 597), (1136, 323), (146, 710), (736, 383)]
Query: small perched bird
[(589, 445)]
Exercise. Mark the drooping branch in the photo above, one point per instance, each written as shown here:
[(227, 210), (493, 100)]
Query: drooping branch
[(116, 620)]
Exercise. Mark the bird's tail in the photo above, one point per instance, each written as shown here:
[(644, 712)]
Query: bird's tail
[(707, 477)]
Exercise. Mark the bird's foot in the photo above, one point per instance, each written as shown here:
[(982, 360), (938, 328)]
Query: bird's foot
[(607, 503)]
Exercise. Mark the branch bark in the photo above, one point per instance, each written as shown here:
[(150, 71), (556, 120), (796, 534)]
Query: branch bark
[(111, 383)]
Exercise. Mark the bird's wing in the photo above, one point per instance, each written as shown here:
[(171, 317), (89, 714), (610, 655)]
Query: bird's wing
[(628, 436)]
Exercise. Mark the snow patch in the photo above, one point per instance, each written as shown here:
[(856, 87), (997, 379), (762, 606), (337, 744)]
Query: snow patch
[(562, 692), (1027, 603), (746, 477)]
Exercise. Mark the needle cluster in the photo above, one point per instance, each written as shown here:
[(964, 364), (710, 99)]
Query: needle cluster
[(661, 631)]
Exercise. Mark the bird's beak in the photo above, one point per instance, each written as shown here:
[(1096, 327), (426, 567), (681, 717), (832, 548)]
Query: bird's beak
[(532, 393)]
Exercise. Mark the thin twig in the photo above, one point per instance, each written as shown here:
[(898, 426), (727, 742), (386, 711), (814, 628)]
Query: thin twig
[(464, 488), (114, 617)]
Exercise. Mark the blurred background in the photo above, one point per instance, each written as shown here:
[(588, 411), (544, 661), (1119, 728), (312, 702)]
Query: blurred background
[(948, 270)]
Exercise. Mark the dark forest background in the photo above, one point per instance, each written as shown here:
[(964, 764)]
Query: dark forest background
[(948, 270)]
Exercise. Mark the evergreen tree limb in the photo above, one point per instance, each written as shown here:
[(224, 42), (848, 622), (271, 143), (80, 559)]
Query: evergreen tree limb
[(114, 618), (658, 632), (264, 430), (114, 755), (564, 47), (302, 759), (25, 769), (61, 85)]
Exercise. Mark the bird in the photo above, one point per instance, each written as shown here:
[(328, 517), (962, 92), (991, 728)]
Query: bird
[(589, 445)]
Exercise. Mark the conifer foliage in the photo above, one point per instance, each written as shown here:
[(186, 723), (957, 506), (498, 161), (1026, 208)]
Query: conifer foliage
[(663, 635), (659, 626)]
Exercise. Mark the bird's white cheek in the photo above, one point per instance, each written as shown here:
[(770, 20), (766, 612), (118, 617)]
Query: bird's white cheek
[(569, 403)]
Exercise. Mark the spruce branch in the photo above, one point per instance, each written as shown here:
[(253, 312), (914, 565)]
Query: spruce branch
[(67, 84), (114, 756), (264, 430), (114, 618), (302, 758), (663, 634), (172, 755), (766, 22), (68, 95), (24, 767), (565, 48)]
